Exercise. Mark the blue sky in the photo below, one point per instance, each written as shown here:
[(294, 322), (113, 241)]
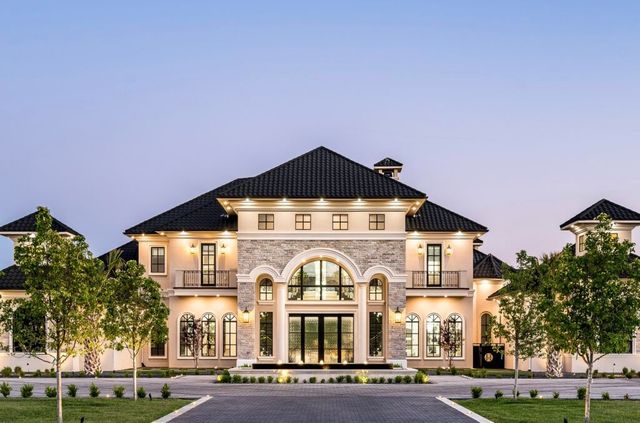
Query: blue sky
[(517, 114)]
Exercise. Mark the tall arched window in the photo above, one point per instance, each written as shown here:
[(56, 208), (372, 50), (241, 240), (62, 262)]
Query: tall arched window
[(229, 335), (412, 324), (376, 290), (266, 290), (433, 335), (321, 280), (485, 328), (454, 322), (208, 335), (187, 322)]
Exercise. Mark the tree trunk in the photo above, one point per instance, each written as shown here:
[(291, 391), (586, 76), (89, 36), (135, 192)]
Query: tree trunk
[(59, 386), (92, 366), (587, 398), (515, 376), (135, 379), (554, 364)]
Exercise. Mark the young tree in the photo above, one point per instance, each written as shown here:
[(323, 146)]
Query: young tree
[(57, 271), (450, 340), (521, 325), (591, 301), (136, 313), (194, 336)]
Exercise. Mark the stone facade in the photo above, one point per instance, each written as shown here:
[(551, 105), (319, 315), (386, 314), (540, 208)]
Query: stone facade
[(246, 331), (397, 297), (277, 253)]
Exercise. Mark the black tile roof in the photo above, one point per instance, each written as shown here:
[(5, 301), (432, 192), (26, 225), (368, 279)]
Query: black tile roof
[(486, 266), (129, 251), (28, 224), (11, 278), (388, 162), (434, 218), (322, 173), (478, 241), (615, 212), (203, 213)]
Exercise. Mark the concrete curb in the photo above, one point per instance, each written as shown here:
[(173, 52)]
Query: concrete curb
[(182, 410), (463, 410)]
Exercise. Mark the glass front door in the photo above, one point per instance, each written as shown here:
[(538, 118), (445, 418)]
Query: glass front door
[(315, 338)]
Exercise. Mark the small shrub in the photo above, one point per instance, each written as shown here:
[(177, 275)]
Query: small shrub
[(72, 390), (94, 391), (499, 394), (348, 379), (165, 392), (476, 392), (236, 379), (533, 393), (18, 371), (625, 370), (225, 377), (454, 371), (296, 380), (289, 379), (252, 379), (556, 394), (626, 397), (38, 373), (407, 379), (5, 389), (381, 379), (245, 379), (312, 379), (389, 380), (398, 379), (605, 396), (322, 381), (26, 391), (6, 371), (269, 379), (261, 379), (629, 375), (420, 377), (51, 391), (582, 392), (118, 391), (331, 380), (611, 376), (141, 392)]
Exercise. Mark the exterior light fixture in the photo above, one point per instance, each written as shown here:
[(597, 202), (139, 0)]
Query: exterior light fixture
[(162, 233), (223, 248), (192, 249), (398, 315), (420, 249), (448, 251), (182, 232), (245, 316)]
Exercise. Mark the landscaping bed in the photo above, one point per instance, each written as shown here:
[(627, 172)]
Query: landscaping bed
[(552, 410), (21, 410)]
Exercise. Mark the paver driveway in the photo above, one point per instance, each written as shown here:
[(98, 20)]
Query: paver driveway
[(322, 403)]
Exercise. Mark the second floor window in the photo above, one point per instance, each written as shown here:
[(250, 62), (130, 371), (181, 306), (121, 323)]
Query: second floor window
[(265, 222), (434, 264), (157, 260), (581, 243), (376, 222), (303, 222), (340, 222)]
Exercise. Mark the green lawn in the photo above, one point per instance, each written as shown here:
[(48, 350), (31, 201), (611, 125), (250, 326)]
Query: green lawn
[(552, 411), (18, 410)]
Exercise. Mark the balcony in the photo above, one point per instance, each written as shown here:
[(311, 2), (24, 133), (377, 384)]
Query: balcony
[(210, 280), (421, 279)]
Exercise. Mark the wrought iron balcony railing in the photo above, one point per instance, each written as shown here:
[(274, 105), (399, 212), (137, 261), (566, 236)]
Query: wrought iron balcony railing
[(205, 279), (445, 279)]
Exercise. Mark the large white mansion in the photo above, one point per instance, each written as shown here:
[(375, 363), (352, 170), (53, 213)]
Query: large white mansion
[(320, 260)]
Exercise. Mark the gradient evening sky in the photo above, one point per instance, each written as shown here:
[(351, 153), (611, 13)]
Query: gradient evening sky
[(517, 114)]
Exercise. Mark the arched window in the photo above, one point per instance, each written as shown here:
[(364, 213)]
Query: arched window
[(229, 335), (412, 339), (433, 335), (266, 290), (485, 328), (321, 280), (208, 335), (455, 327), (376, 290), (187, 324)]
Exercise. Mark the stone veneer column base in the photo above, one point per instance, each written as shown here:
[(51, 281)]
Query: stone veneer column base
[(245, 362), (401, 363)]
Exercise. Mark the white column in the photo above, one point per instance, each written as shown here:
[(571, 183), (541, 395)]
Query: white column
[(361, 335), (281, 323)]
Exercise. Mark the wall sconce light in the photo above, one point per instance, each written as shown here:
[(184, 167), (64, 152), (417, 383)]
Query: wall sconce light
[(448, 251), (192, 249), (398, 315), (245, 316), (420, 249), (223, 248)]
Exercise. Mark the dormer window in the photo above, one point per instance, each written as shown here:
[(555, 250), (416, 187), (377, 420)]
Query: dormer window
[(582, 243)]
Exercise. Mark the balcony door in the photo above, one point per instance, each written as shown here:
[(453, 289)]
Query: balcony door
[(208, 264), (434, 265)]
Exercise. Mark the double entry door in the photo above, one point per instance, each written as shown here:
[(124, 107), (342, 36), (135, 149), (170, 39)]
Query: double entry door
[(315, 338)]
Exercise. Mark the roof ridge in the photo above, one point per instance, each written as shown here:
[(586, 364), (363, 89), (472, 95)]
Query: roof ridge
[(592, 208)]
